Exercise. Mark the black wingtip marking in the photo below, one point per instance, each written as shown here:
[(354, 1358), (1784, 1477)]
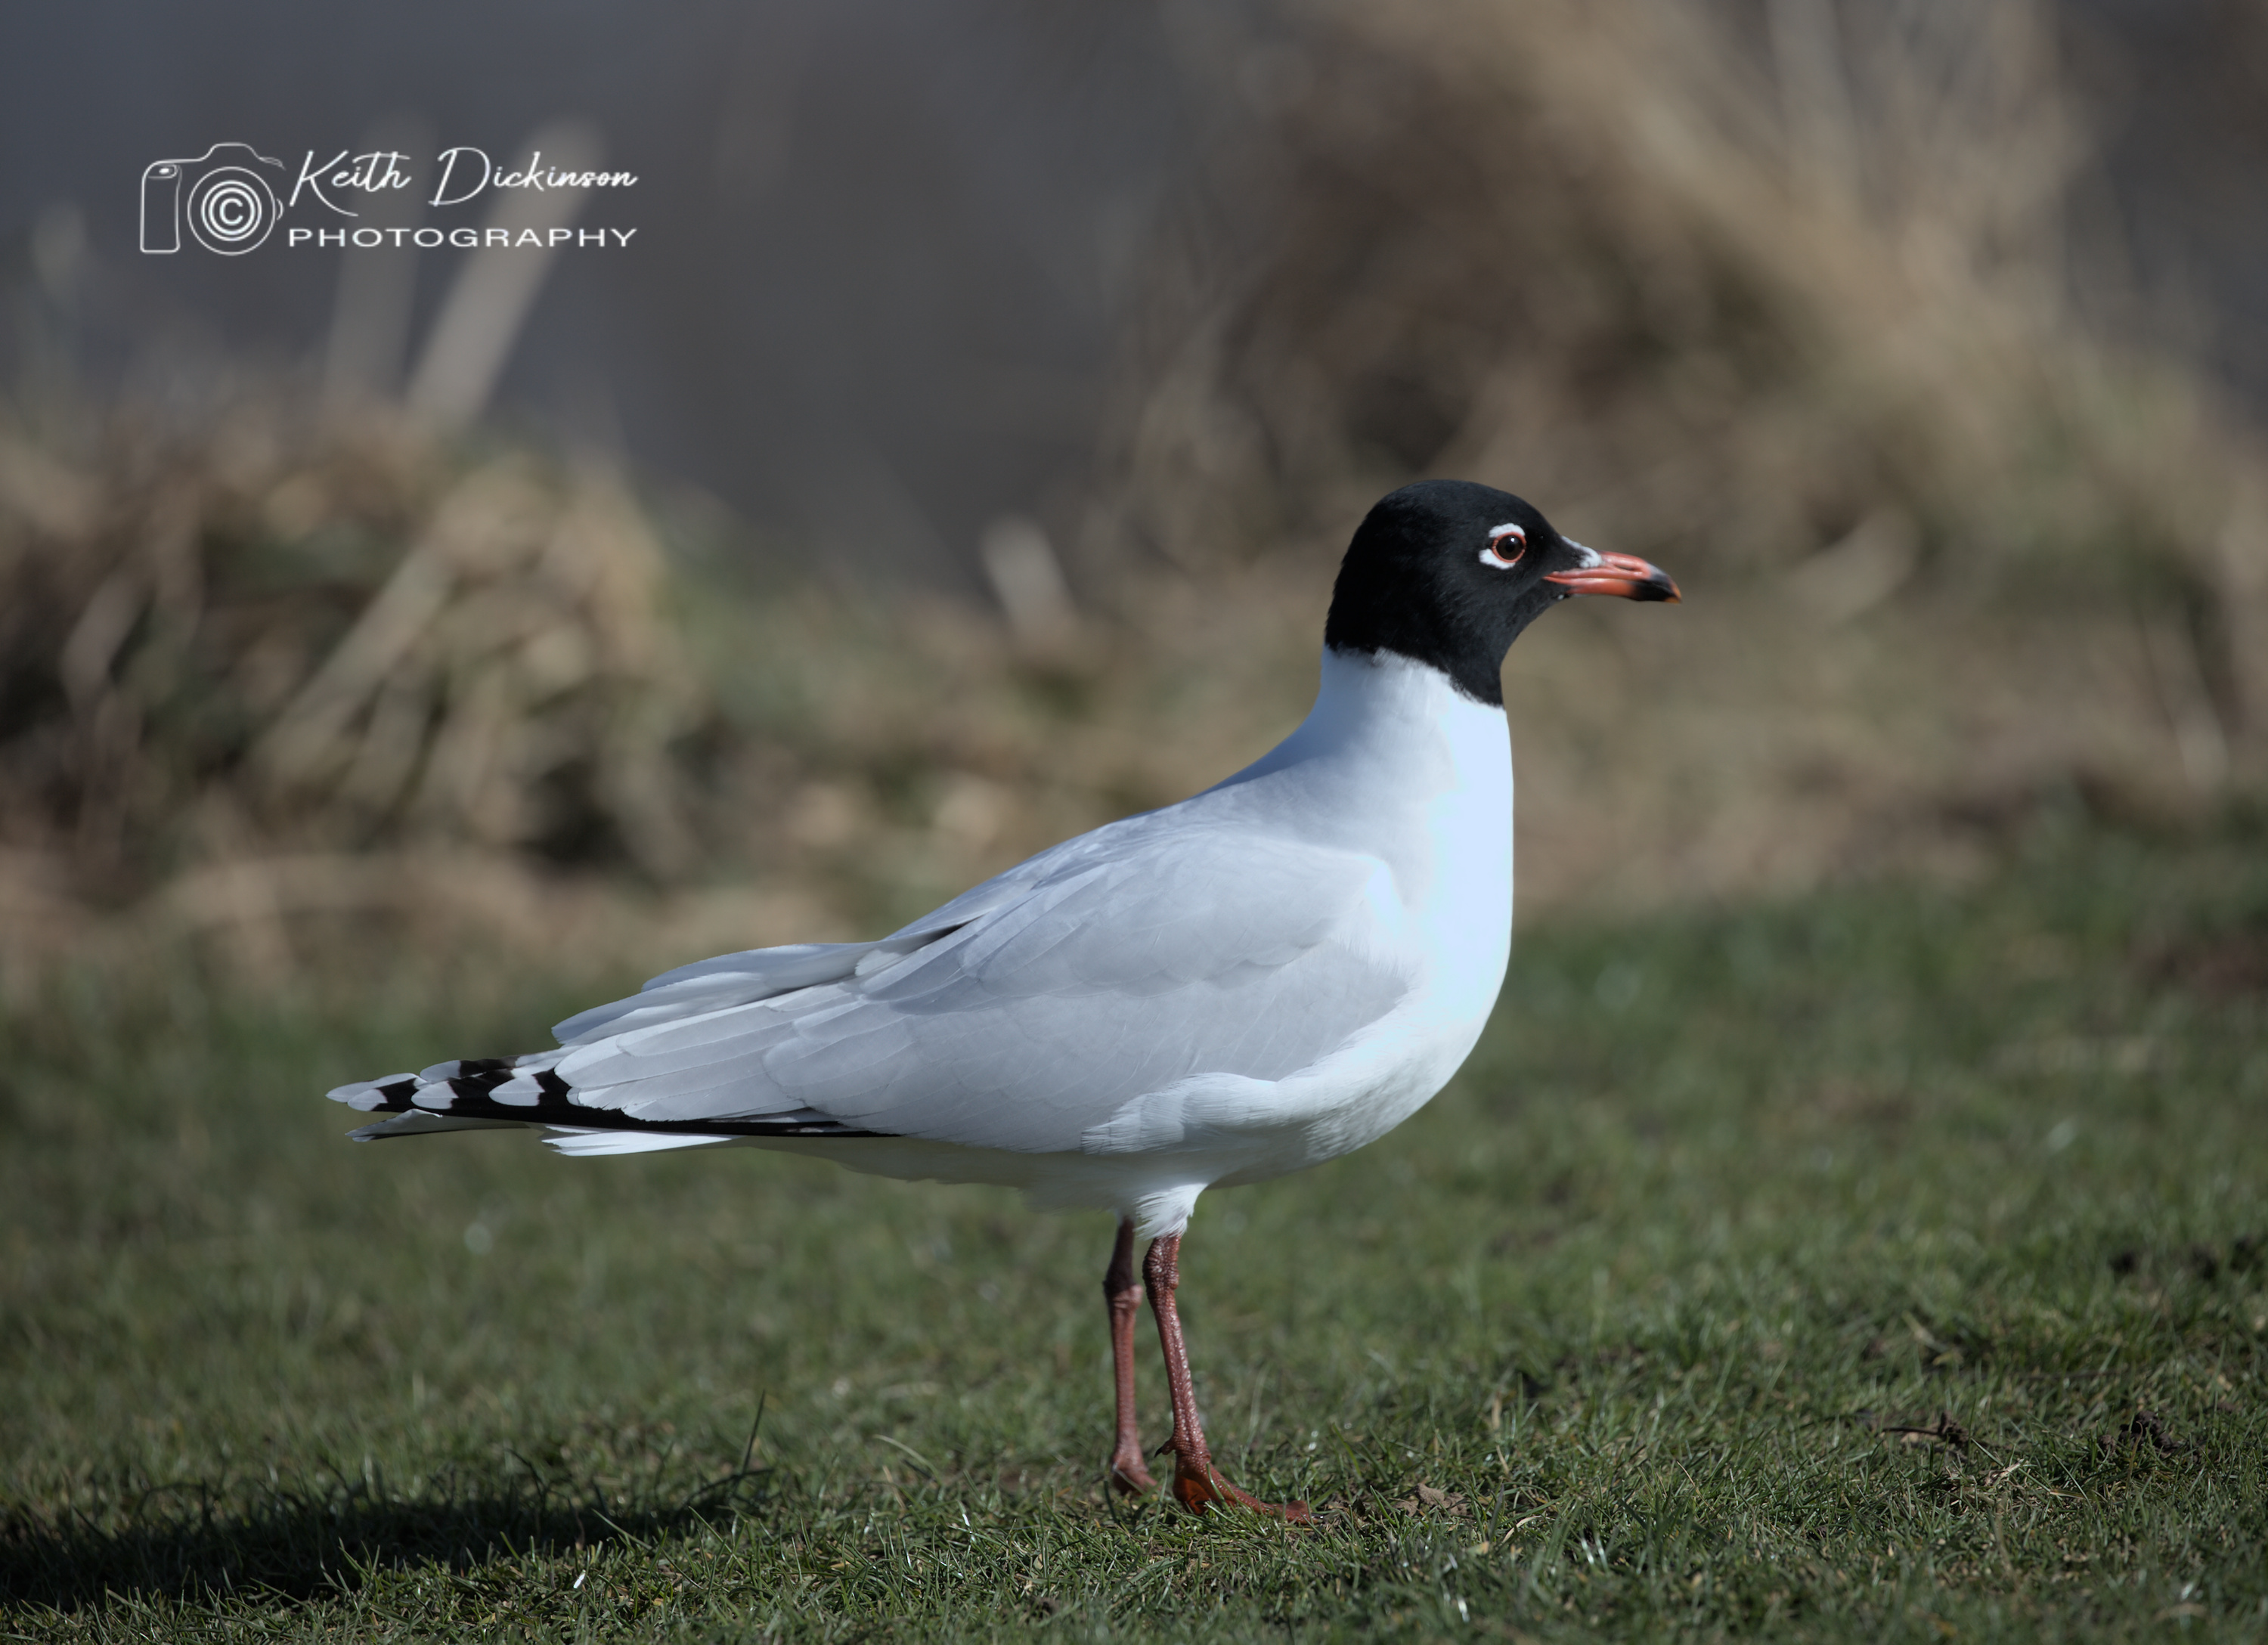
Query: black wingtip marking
[(476, 1077), (470, 1084)]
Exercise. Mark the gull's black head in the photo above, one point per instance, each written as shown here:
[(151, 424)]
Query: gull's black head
[(1448, 573)]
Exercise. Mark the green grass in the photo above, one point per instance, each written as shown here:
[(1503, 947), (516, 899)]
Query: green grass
[(1651, 1305)]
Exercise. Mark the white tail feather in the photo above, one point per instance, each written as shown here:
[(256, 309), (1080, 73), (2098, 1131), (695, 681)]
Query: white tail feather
[(595, 1142)]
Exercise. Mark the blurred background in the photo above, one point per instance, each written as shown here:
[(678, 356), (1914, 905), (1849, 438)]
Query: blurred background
[(956, 452)]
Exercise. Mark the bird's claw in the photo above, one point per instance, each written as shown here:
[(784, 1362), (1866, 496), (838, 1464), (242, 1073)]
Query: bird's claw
[(1130, 1475), (1198, 1486)]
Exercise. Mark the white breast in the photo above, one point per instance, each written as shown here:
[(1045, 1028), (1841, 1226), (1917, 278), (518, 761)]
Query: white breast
[(1396, 762)]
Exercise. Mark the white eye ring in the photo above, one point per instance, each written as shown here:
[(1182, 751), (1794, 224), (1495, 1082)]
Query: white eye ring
[(1491, 555)]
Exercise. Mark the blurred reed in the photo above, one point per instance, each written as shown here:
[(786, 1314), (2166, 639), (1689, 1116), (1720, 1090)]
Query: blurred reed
[(1750, 288), (263, 638), (1780, 297), (279, 675)]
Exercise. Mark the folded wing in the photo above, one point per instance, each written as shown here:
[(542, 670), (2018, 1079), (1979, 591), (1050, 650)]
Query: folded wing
[(1034, 1008)]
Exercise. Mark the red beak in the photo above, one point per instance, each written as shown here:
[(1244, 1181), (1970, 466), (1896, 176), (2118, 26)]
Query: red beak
[(1622, 574)]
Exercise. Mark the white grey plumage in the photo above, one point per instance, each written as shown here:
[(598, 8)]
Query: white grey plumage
[(1174, 999), (1263, 977)]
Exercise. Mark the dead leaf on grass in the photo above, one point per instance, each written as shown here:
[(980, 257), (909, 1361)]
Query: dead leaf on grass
[(1430, 1497)]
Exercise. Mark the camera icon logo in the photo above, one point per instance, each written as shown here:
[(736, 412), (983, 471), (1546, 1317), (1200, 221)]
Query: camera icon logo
[(230, 204)]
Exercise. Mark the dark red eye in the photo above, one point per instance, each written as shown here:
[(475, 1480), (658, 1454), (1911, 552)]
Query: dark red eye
[(1506, 545)]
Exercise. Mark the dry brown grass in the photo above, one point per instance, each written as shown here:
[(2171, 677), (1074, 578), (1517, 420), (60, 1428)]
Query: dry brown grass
[(1785, 314), (1603, 248), (259, 662), (275, 679)]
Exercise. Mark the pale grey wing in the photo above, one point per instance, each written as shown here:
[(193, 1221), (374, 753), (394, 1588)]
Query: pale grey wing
[(1168, 956), (707, 1050), (754, 973), (709, 985), (1148, 830)]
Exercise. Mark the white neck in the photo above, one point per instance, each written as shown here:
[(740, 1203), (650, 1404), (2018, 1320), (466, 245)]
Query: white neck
[(1385, 707), (1395, 760)]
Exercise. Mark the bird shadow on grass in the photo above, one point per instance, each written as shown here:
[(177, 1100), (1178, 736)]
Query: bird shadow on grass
[(175, 1542)]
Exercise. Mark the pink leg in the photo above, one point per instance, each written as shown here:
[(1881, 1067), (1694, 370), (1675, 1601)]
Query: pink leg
[(1196, 1484), (1122, 1293)]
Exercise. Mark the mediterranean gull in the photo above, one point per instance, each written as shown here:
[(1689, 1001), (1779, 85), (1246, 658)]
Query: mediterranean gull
[(1263, 977)]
